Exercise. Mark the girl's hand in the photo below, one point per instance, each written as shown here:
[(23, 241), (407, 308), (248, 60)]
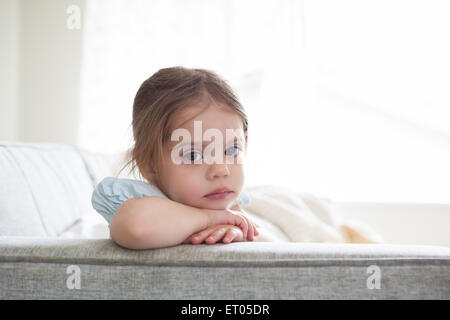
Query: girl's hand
[(225, 232), (236, 217)]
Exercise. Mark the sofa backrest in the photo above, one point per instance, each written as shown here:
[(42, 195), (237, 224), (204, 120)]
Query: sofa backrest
[(46, 188)]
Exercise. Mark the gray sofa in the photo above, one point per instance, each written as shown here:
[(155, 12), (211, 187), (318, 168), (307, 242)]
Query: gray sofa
[(48, 251)]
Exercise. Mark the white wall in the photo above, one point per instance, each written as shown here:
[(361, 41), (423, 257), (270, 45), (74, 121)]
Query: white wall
[(9, 50), (402, 223), (40, 100)]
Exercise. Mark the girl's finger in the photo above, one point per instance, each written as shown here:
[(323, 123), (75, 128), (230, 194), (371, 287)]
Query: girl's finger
[(201, 236), (251, 231), (216, 236), (243, 225), (256, 230), (238, 220), (229, 237)]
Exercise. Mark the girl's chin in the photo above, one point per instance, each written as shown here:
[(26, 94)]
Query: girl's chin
[(219, 205)]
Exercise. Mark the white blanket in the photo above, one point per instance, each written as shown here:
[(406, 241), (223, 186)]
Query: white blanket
[(302, 217)]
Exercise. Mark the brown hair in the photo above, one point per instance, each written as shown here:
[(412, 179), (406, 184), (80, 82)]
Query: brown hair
[(160, 97)]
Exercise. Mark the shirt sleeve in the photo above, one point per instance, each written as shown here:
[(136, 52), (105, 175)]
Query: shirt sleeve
[(110, 193)]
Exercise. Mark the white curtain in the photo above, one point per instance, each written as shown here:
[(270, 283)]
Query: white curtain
[(346, 99)]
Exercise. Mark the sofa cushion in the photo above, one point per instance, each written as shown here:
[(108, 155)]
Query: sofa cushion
[(39, 269), (19, 214), (45, 188), (99, 165)]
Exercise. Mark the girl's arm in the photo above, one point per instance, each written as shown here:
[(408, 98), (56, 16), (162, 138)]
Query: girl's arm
[(155, 222)]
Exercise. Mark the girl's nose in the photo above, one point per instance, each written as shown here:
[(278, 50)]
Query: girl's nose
[(217, 170)]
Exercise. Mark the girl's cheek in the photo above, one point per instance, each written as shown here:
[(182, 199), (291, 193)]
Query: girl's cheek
[(238, 175), (189, 186)]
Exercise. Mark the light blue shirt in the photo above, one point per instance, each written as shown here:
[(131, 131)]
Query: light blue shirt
[(111, 192)]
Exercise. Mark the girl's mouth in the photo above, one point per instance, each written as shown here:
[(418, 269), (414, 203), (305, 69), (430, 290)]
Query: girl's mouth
[(219, 195)]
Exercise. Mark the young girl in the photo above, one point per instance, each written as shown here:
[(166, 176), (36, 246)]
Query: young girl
[(191, 201)]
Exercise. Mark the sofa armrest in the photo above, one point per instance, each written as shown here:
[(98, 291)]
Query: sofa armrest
[(45, 268)]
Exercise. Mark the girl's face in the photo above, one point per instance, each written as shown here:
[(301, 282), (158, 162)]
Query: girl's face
[(190, 183)]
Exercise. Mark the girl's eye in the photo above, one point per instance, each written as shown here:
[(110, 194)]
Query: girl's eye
[(191, 156), (235, 150)]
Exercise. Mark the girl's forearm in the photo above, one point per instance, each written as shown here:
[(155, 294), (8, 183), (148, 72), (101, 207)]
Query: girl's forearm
[(155, 222)]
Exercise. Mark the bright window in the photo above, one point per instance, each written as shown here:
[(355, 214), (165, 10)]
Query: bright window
[(346, 99)]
